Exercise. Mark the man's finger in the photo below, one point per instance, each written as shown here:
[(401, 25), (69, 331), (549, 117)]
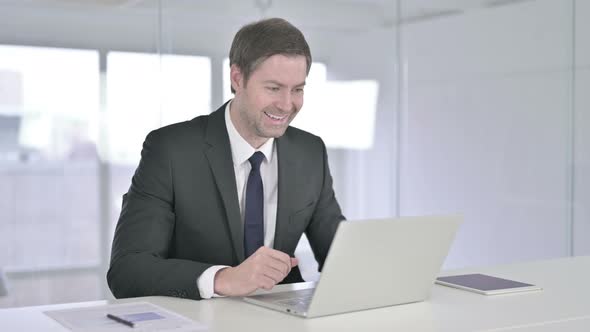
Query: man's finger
[(277, 265), (282, 257), (266, 283), (275, 275), (276, 254)]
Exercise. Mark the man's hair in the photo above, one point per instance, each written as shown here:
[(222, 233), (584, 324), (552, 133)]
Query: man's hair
[(260, 40)]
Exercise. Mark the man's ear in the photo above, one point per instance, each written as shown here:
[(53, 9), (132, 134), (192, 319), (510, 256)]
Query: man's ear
[(236, 77)]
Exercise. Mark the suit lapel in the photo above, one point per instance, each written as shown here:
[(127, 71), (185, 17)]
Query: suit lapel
[(286, 171), (220, 160)]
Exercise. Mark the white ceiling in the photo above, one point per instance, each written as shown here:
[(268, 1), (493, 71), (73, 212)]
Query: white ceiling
[(384, 11)]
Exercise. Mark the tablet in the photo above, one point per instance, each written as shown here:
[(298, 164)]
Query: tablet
[(485, 284)]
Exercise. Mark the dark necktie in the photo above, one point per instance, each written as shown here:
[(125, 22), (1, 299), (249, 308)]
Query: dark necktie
[(254, 215)]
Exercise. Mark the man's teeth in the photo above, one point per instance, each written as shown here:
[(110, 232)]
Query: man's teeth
[(274, 117)]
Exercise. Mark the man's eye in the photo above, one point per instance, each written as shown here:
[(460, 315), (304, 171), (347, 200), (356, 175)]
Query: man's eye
[(273, 88)]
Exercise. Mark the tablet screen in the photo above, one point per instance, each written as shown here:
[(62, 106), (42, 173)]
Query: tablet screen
[(483, 282)]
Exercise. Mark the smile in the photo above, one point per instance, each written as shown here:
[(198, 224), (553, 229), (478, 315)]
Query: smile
[(274, 117)]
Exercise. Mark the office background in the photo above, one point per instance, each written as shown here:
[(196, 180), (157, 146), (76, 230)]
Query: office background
[(479, 107)]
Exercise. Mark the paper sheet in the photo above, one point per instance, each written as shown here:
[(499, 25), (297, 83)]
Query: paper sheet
[(145, 316)]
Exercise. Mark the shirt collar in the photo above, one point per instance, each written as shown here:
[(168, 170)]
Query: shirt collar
[(240, 149)]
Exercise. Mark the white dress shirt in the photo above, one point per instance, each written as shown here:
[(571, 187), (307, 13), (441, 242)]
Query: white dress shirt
[(241, 151)]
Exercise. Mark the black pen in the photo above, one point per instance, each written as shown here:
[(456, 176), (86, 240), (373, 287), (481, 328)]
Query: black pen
[(121, 320)]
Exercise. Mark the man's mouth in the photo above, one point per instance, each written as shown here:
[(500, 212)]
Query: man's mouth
[(275, 117)]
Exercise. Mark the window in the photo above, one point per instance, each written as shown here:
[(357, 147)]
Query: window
[(48, 101), (146, 91)]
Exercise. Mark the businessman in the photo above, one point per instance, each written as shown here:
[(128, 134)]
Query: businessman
[(218, 204)]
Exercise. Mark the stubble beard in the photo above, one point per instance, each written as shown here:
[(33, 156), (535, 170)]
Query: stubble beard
[(274, 131)]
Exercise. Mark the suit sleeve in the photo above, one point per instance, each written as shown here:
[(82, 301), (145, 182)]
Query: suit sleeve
[(326, 216), (139, 258)]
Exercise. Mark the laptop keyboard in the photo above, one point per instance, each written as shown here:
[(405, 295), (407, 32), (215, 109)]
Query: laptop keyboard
[(298, 299), (303, 301)]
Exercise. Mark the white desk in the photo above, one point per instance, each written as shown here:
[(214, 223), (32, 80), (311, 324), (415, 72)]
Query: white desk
[(563, 305)]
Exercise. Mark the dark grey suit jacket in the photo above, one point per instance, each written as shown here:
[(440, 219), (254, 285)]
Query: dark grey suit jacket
[(181, 213)]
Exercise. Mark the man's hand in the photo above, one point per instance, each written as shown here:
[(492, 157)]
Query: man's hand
[(263, 269)]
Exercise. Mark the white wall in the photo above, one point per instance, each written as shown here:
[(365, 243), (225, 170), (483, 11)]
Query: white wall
[(488, 129)]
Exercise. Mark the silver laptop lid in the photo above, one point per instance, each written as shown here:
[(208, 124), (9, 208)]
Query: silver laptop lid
[(377, 263)]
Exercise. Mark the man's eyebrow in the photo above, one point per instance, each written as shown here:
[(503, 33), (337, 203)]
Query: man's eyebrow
[(282, 85)]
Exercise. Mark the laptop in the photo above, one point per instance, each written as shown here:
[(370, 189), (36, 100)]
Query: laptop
[(372, 264)]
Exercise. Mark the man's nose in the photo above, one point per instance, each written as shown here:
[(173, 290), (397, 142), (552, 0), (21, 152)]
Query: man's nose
[(285, 101)]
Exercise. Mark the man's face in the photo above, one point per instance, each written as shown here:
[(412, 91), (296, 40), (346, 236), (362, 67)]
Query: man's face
[(264, 106)]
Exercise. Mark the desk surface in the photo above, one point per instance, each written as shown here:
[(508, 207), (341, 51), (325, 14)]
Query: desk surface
[(563, 305)]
